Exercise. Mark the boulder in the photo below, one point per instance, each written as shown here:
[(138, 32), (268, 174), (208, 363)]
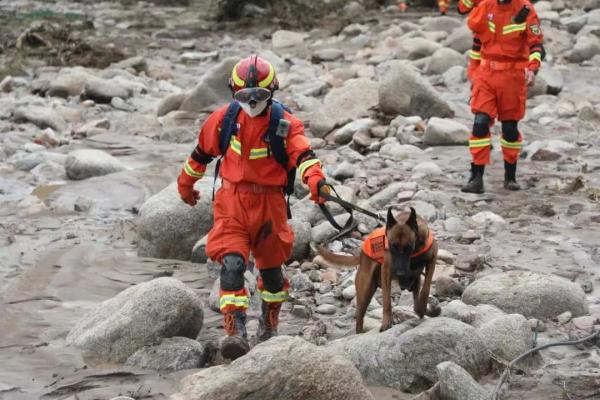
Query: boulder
[(417, 48), (302, 239), (169, 228), (444, 59), (381, 199), (405, 357), (472, 315), (87, 163), (553, 78), (170, 103), (443, 23), (399, 152), (461, 39), (282, 368), (139, 316), (103, 90), (507, 336), (458, 384), (137, 63), (585, 48), (69, 82), (212, 90), (172, 354), (531, 294), (404, 91), (41, 117), (353, 100), (282, 39), (345, 134), (445, 132)]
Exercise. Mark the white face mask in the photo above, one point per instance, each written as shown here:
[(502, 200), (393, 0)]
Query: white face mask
[(259, 107)]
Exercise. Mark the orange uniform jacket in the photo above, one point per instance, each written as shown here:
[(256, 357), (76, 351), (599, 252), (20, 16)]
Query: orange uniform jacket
[(505, 38), (248, 158)]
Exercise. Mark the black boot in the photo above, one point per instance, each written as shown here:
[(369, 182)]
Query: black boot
[(269, 319), (235, 344), (475, 184), (510, 176)]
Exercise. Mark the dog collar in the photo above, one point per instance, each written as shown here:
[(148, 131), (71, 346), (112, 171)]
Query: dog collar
[(426, 247)]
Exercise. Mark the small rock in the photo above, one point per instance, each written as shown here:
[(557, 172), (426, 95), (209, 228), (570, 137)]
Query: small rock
[(564, 317), (344, 170), (121, 104), (301, 283), (458, 384), (445, 132), (448, 287), (584, 323), (326, 309), (283, 39), (83, 164), (301, 311), (349, 293), (103, 90), (172, 354), (485, 218), (315, 276)]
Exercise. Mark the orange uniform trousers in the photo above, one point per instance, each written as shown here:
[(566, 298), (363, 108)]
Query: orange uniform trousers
[(500, 94)]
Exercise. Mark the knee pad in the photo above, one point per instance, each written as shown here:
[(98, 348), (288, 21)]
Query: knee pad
[(481, 125), (272, 279), (232, 272), (510, 131)]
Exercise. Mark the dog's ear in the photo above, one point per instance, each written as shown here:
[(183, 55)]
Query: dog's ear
[(391, 221), (412, 220)]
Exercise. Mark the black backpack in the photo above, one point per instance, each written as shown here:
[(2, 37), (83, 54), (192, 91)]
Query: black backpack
[(274, 137)]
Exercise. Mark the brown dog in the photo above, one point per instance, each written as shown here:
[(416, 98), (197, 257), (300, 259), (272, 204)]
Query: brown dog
[(403, 250)]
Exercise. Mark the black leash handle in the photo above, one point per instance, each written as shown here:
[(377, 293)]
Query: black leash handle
[(345, 204)]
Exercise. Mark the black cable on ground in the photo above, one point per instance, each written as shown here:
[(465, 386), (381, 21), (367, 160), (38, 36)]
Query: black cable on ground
[(536, 349)]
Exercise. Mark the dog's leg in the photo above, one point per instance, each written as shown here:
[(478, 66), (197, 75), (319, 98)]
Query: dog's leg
[(424, 293), (386, 289), (366, 286), (416, 290)]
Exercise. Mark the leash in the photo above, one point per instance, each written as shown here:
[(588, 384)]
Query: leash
[(346, 205), (534, 350)]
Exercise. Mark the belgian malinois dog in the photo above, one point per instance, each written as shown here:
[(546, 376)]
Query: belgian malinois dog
[(404, 250)]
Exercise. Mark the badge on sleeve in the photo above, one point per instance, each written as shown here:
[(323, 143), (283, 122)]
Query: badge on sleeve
[(535, 29)]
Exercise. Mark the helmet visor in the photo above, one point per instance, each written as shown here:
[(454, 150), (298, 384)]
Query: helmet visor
[(252, 94)]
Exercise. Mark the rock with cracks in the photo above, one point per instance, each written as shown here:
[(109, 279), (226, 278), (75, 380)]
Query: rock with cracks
[(139, 316), (531, 294), (172, 354), (282, 368), (405, 357), (169, 228), (404, 91), (458, 384)]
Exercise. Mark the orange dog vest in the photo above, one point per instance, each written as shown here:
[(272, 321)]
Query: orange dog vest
[(376, 244)]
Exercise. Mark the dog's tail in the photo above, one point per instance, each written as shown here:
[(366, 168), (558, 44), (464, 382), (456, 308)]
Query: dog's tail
[(338, 259)]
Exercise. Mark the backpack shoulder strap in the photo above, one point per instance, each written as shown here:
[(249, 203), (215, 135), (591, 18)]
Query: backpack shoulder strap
[(277, 133), (228, 125)]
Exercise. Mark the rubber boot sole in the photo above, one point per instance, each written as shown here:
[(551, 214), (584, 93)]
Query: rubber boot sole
[(233, 347)]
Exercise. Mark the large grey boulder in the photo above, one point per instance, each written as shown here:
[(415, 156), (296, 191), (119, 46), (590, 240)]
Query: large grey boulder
[(553, 78), (282, 39), (41, 117), (103, 90), (405, 357), (404, 91), (531, 294), (139, 316), (461, 39), (445, 132), (507, 336), (417, 48), (302, 238), (457, 384), (169, 103), (353, 100), (444, 59), (212, 90), (169, 228), (172, 354), (443, 23), (282, 368), (86, 163), (69, 82), (585, 48)]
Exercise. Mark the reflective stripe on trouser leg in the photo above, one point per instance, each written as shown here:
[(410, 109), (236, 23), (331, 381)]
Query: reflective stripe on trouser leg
[(230, 301), (511, 150), (480, 149), (270, 297)]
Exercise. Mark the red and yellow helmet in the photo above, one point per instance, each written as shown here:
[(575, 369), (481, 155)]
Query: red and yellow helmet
[(253, 72)]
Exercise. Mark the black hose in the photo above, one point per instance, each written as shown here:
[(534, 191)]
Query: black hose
[(536, 349)]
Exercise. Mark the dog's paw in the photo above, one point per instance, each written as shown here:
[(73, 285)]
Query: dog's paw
[(385, 326), (433, 307)]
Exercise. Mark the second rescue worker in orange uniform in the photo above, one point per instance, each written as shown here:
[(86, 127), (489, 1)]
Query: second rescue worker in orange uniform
[(511, 54), (250, 211)]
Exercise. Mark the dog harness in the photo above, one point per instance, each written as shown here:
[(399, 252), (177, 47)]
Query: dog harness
[(377, 243)]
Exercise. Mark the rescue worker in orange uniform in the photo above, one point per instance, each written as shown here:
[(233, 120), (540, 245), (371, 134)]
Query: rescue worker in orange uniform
[(443, 6), (511, 54), (250, 211), (465, 7)]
